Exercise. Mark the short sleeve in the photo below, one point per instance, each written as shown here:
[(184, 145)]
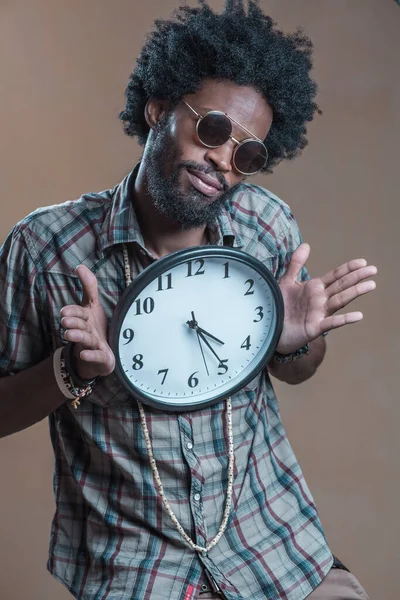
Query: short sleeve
[(22, 318), (289, 240)]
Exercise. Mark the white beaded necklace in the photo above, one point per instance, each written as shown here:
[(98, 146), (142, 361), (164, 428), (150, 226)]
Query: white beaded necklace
[(231, 458)]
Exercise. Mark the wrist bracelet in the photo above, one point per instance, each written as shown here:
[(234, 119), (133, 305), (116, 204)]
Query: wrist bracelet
[(61, 376), (65, 383), (69, 364), (292, 356)]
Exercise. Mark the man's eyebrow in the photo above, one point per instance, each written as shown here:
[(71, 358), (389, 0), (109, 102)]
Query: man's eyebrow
[(207, 109)]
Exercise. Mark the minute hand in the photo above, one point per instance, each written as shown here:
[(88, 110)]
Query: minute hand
[(204, 332), (207, 343)]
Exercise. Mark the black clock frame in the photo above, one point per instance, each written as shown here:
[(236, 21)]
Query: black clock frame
[(160, 267)]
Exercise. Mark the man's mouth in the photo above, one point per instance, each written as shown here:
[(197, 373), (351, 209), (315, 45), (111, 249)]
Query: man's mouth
[(206, 184)]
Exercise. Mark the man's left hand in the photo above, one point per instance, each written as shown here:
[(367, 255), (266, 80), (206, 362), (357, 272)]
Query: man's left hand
[(311, 306)]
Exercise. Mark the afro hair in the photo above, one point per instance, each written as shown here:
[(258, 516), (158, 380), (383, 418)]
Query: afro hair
[(242, 46)]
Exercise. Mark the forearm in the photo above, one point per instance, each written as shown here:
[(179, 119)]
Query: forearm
[(301, 369), (28, 397)]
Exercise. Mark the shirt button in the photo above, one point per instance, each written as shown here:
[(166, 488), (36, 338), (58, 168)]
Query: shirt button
[(189, 445), (197, 497)]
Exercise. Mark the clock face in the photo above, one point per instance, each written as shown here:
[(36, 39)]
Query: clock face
[(195, 327)]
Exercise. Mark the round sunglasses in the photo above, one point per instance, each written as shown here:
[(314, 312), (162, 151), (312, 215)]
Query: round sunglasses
[(215, 128)]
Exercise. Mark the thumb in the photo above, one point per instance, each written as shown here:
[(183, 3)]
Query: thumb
[(89, 285), (297, 262)]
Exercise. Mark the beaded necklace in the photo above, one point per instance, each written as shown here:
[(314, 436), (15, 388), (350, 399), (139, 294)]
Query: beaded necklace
[(156, 475)]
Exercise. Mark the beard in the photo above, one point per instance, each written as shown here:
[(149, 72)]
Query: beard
[(190, 209)]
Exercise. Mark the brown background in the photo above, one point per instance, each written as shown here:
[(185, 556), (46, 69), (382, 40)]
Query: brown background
[(64, 66)]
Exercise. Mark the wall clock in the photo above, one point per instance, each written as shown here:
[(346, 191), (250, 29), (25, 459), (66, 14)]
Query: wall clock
[(195, 327)]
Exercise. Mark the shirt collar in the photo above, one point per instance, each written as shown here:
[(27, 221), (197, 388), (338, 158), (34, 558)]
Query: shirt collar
[(121, 225)]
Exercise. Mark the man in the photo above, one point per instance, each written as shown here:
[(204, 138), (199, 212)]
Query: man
[(213, 97)]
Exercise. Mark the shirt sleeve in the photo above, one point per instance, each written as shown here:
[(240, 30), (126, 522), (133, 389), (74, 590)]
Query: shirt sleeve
[(22, 318), (289, 240)]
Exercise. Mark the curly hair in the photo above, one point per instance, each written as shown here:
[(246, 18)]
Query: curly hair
[(243, 47)]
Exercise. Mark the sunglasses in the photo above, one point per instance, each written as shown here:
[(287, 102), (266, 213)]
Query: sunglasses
[(215, 128)]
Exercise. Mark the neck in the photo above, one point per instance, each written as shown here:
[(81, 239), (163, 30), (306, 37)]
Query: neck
[(161, 234)]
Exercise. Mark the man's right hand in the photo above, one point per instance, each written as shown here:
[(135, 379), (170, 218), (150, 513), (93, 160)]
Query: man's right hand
[(86, 327)]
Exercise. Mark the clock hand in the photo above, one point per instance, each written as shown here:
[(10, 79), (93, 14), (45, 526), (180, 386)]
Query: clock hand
[(207, 343), (203, 331), (194, 325), (202, 353)]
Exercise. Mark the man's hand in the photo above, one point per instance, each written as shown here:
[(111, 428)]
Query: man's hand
[(86, 327), (311, 306)]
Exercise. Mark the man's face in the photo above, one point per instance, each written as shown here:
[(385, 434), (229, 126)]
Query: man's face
[(189, 182)]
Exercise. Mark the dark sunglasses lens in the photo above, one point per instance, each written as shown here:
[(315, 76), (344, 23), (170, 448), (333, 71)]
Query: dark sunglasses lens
[(214, 129), (250, 157)]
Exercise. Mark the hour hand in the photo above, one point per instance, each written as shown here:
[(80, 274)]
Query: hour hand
[(204, 332), (194, 325)]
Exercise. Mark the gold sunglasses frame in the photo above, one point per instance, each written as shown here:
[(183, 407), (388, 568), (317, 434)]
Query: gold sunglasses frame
[(237, 142)]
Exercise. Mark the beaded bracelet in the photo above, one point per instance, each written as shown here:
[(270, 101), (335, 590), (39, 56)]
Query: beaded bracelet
[(69, 365), (288, 358), (65, 382)]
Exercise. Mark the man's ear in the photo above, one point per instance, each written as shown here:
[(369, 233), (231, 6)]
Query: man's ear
[(154, 111)]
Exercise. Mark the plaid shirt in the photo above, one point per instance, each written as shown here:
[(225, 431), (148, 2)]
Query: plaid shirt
[(111, 538)]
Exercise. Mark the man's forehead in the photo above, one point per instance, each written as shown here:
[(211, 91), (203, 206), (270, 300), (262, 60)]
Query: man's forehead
[(228, 96)]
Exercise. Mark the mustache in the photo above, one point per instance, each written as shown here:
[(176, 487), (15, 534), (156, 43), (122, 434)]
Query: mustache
[(189, 164)]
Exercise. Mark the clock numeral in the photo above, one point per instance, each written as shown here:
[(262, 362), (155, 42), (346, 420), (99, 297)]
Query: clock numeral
[(168, 282), (147, 306), (193, 381), (226, 276), (200, 269), (246, 344), (165, 371), (260, 314), (128, 334), (222, 365), (251, 285), (137, 362)]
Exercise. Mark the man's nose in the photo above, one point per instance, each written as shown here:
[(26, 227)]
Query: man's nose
[(221, 157)]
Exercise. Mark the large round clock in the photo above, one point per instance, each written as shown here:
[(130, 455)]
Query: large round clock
[(195, 327)]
